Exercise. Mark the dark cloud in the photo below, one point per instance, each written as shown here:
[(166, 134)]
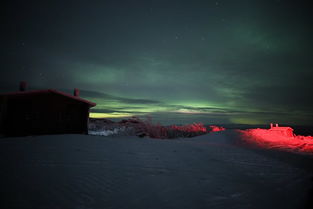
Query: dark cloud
[(115, 111), (287, 98), (86, 93)]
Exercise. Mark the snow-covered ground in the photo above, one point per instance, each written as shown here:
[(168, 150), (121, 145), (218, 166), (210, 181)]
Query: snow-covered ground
[(209, 171)]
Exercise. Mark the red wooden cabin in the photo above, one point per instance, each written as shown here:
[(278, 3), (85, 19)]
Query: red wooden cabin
[(283, 131)]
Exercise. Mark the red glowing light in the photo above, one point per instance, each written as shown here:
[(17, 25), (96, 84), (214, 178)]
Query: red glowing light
[(278, 138), (217, 128)]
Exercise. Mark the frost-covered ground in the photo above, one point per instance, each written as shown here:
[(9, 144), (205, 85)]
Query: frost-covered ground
[(209, 171)]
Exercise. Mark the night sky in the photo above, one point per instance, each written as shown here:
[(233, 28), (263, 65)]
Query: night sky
[(235, 61)]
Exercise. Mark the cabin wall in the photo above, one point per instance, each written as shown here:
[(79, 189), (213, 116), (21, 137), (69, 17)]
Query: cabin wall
[(45, 114), (3, 105), (289, 133), (283, 132)]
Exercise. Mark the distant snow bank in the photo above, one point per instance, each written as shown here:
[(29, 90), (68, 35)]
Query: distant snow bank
[(138, 127), (103, 132)]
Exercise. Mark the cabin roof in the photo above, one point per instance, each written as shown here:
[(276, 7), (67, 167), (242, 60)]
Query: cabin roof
[(280, 128), (48, 91)]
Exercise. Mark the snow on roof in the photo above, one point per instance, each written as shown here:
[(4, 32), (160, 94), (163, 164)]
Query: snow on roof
[(45, 91), (280, 128)]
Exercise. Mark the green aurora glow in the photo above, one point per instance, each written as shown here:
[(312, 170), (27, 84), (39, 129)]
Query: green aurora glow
[(178, 61)]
